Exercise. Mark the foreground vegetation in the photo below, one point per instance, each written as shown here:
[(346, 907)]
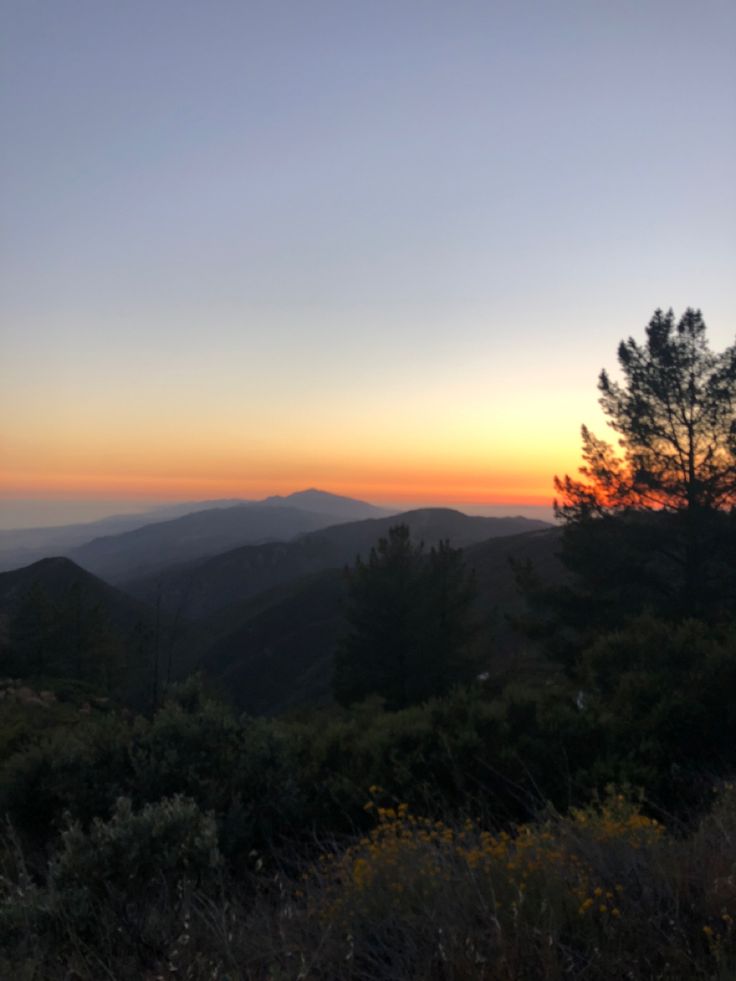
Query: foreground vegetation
[(605, 892), (456, 839)]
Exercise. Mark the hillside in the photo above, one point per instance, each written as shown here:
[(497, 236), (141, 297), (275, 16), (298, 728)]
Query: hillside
[(198, 590), (58, 621), (429, 525), (23, 546), (334, 506), (57, 577), (274, 651), (194, 536), (81, 541)]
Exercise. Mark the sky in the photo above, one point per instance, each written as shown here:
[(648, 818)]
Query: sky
[(382, 248)]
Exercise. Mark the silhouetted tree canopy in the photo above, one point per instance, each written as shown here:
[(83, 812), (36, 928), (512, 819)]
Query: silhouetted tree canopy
[(409, 628), (650, 524), (675, 413)]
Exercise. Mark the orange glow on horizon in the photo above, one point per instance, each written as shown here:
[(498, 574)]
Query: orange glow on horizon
[(436, 488), (453, 443), (427, 458)]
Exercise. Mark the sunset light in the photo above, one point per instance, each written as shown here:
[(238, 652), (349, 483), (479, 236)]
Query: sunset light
[(353, 250)]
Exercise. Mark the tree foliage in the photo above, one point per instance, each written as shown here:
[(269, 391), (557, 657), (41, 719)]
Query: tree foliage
[(652, 522), (409, 629), (675, 413)]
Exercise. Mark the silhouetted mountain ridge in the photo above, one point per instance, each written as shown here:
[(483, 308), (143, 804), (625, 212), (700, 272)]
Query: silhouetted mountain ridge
[(147, 550), (323, 502), (57, 576), (23, 546), (199, 589)]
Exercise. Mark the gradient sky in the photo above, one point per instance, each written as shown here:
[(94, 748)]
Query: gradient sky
[(382, 248)]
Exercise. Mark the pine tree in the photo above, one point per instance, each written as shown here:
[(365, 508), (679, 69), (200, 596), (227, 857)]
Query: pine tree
[(445, 628), (650, 525), (408, 617), (675, 414)]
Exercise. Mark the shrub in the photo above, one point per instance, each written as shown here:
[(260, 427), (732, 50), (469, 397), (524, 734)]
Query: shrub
[(119, 876), (604, 893), (169, 841), (81, 769), (240, 769)]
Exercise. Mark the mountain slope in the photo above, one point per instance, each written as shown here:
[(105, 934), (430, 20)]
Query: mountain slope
[(193, 536), (22, 546), (198, 590), (58, 621), (57, 577), (277, 653), (333, 505), (429, 525), (274, 651)]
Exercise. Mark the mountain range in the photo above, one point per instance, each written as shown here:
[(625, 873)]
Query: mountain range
[(23, 546), (196, 590), (128, 545), (262, 619)]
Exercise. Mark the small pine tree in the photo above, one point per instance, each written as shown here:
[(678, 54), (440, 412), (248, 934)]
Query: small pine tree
[(409, 628), (444, 628)]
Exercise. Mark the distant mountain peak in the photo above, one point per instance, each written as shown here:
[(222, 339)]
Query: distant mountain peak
[(308, 492), (324, 502)]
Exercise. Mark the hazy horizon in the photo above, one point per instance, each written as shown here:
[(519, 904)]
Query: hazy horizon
[(20, 514)]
